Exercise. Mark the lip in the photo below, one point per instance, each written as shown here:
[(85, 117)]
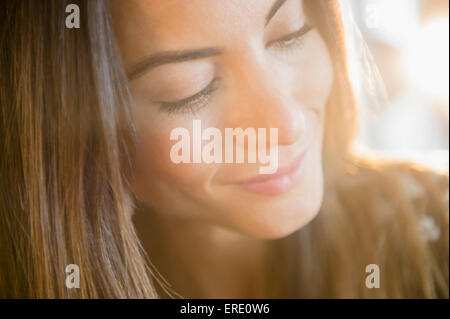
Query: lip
[(285, 179)]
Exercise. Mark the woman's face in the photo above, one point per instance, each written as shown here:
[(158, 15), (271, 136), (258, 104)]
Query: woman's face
[(230, 64)]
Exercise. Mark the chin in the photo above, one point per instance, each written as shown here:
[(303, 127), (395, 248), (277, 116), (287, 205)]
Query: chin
[(275, 225), (275, 221), (285, 229)]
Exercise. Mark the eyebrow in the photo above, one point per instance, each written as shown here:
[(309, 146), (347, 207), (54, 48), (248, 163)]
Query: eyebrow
[(275, 7), (169, 57), (181, 56)]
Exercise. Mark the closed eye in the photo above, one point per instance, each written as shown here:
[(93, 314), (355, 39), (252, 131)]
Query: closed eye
[(291, 39), (191, 103)]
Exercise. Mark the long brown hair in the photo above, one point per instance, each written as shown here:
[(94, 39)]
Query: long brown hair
[(65, 130), (65, 196)]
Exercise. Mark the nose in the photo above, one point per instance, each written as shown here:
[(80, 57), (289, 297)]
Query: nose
[(264, 99)]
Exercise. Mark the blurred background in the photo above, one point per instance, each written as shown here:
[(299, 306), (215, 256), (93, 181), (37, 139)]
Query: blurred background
[(409, 43)]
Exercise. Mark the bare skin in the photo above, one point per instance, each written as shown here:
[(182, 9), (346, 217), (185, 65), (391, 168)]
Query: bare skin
[(205, 233)]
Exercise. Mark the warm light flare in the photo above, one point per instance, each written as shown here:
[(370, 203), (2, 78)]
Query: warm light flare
[(427, 58)]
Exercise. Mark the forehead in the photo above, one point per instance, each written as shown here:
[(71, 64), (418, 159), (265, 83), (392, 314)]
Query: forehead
[(168, 20), (153, 25)]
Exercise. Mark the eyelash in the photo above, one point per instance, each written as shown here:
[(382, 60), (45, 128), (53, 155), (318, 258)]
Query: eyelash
[(193, 103), (291, 41)]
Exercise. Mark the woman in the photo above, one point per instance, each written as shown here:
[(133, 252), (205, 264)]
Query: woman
[(87, 176)]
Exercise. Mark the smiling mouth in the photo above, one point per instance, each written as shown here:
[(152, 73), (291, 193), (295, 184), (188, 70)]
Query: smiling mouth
[(286, 178)]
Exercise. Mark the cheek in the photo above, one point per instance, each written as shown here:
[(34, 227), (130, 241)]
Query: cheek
[(155, 171), (314, 79)]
